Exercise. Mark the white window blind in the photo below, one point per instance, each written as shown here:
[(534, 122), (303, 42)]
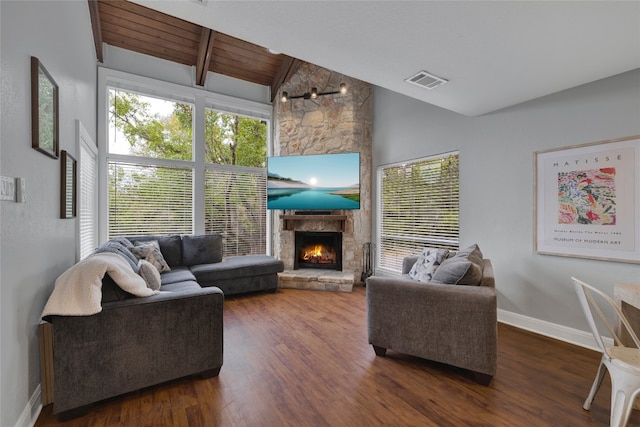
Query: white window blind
[(418, 207), (88, 197), (235, 206), (149, 199)]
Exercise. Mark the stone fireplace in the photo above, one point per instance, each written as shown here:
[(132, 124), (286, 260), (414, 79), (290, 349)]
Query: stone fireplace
[(328, 124)]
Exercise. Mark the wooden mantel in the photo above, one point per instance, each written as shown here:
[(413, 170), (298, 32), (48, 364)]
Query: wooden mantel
[(289, 221)]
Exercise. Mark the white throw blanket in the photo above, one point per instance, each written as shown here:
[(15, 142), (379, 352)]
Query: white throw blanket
[(78, 291)]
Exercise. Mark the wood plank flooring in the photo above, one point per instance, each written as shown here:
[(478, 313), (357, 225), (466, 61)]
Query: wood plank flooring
[(301, 358)]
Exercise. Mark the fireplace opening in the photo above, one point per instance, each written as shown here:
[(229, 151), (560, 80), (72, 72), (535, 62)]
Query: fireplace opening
[(318, 249)]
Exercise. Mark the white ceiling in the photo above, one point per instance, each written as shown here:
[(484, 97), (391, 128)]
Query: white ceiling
[(494, 53)]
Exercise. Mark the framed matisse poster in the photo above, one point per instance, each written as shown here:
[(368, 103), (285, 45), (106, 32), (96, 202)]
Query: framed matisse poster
[(587, 200)]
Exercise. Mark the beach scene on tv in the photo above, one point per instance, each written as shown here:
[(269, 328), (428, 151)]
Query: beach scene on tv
[(314, 182)]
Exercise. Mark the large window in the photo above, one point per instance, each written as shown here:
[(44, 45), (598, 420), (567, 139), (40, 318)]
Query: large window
[(186, 164), (417, 207)]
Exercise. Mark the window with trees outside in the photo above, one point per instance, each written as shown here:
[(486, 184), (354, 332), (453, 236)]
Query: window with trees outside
[(174, 168), (418, 207)]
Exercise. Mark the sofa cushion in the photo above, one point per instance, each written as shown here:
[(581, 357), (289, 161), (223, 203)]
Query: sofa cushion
[(170, 247), (150, 274), (463, 268), (237, 266), (201, 249), (150, 251), (188, 285), (177, 274), (428, 261)]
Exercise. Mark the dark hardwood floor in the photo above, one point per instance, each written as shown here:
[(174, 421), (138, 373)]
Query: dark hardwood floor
[(301, 358)]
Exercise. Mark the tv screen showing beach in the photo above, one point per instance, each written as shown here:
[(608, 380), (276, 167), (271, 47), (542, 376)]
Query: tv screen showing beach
[(314, 182)]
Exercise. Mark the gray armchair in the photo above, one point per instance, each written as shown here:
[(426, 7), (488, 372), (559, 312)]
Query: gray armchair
[(451, 324)]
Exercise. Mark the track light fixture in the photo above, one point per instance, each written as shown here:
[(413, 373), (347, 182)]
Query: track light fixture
[(314, 93)]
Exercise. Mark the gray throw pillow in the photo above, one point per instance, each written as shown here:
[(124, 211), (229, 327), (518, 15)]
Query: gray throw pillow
[(464, 268), (457, 271), (150, 251), (472, 253), (150, 274)]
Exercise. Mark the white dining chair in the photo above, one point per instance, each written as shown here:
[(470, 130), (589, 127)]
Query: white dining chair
[(623, 363)]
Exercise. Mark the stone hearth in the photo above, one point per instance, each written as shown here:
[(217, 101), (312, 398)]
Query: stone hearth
[(317, 280)]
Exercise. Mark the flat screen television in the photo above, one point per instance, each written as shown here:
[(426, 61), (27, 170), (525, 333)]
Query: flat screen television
[(320, 182)]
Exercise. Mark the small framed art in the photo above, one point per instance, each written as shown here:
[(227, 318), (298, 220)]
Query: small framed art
[(44, 110)]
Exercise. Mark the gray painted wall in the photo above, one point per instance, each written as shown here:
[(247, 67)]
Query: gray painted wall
[(36, 245), (496, 181)]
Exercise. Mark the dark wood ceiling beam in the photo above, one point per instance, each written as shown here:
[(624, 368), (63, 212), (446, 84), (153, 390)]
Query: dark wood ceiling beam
[(204, 55), (94, 13), (287, 69)]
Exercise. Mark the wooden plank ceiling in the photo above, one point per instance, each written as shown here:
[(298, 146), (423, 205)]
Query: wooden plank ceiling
[(143, 30)]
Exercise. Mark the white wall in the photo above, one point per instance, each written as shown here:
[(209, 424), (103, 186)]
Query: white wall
[(496, 181), (36, 245)]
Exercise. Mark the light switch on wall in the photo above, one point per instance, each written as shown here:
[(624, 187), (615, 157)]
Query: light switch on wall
[(20, 191), (7, 188), (12, 189)]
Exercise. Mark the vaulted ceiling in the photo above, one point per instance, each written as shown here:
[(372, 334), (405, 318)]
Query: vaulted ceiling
[(137, 28), (494, 54)]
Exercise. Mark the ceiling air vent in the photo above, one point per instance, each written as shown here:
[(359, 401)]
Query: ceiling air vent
[(426, 80)]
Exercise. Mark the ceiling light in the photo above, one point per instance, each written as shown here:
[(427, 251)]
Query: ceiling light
[(314, 93)]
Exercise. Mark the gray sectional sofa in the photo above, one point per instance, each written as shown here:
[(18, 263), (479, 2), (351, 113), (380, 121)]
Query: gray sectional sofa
[(136, 342), (199, 258)]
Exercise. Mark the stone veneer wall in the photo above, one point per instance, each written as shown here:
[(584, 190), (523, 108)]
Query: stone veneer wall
[(328, 124)]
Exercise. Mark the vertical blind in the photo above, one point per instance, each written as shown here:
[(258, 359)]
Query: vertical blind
[(235, 206), (149, 199), (418, 207), (87, 200)]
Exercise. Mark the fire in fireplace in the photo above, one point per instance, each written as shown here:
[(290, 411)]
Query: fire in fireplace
[(318, 250)]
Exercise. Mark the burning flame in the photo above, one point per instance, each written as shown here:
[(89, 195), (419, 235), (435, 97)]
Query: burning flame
[(314, 252), (318, 254)]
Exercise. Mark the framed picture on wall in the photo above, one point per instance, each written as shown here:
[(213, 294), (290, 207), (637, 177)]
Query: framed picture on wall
[(587, 200), (44, 110)]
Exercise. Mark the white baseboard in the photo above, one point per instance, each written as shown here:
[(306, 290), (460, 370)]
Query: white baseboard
[(32, 411), (552, 330)]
